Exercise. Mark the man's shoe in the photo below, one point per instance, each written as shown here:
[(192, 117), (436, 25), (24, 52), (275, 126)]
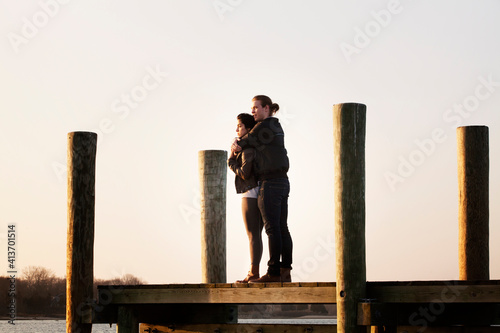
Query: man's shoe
[(267, 278), (285, 275)]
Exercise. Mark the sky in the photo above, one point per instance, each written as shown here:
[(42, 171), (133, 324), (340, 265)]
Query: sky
[(159, 81)]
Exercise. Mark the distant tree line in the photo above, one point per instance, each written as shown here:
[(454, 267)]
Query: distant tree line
[(39, 292)]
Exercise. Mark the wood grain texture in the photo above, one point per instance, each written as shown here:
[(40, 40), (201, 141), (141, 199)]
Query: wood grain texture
[(456, 329), (454, 300), (430, 314), (434, 291), (227, 295), (349, 123), (213, 173), (239, 328), (473, 213), (80, 242), (452, 291)]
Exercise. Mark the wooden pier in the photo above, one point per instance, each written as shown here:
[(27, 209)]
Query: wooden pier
[(436, 306), (471, 304)]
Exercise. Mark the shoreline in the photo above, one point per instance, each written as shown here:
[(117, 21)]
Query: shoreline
[(34, 317), (62, 317)]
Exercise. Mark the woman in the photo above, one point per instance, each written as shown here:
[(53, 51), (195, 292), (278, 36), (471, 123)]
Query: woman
[(246, 183), (271, 164)]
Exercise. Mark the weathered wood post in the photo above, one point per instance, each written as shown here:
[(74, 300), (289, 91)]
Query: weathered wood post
[(473, 214), (213, 172), (349, 122), (127, 320), (80, 244)]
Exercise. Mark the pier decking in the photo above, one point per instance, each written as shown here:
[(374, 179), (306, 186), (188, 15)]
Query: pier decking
[(225, 293), (411, 306)]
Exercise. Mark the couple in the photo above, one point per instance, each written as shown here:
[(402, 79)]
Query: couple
[(260, 162)]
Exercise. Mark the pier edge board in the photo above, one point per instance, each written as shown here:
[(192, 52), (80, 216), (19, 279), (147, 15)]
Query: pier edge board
[(240, 328)]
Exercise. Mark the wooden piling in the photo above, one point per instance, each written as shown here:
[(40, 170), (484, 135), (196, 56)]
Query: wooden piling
[(212, 173), (80, 243), (127, 320), (349, 122), (473, 184)]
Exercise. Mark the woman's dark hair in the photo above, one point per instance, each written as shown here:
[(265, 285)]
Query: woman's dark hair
[(247, 120), (264, 101)]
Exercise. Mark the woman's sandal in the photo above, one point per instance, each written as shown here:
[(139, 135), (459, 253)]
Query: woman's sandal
[(248, 278)]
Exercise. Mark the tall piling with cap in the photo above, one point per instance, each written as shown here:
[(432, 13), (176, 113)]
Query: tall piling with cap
[(213, 173), (473, 213), (80, 242), (349, 122)]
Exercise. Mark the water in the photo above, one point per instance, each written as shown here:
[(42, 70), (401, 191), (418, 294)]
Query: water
[(47, 326), (59, 326)]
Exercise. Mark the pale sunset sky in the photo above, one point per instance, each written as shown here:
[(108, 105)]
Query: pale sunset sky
[(160, 80)]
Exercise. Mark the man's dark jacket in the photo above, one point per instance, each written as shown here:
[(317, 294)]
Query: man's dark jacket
[(268, 139)]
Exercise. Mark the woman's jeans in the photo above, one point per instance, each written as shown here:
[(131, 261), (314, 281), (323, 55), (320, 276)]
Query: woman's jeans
[(273, 205)]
